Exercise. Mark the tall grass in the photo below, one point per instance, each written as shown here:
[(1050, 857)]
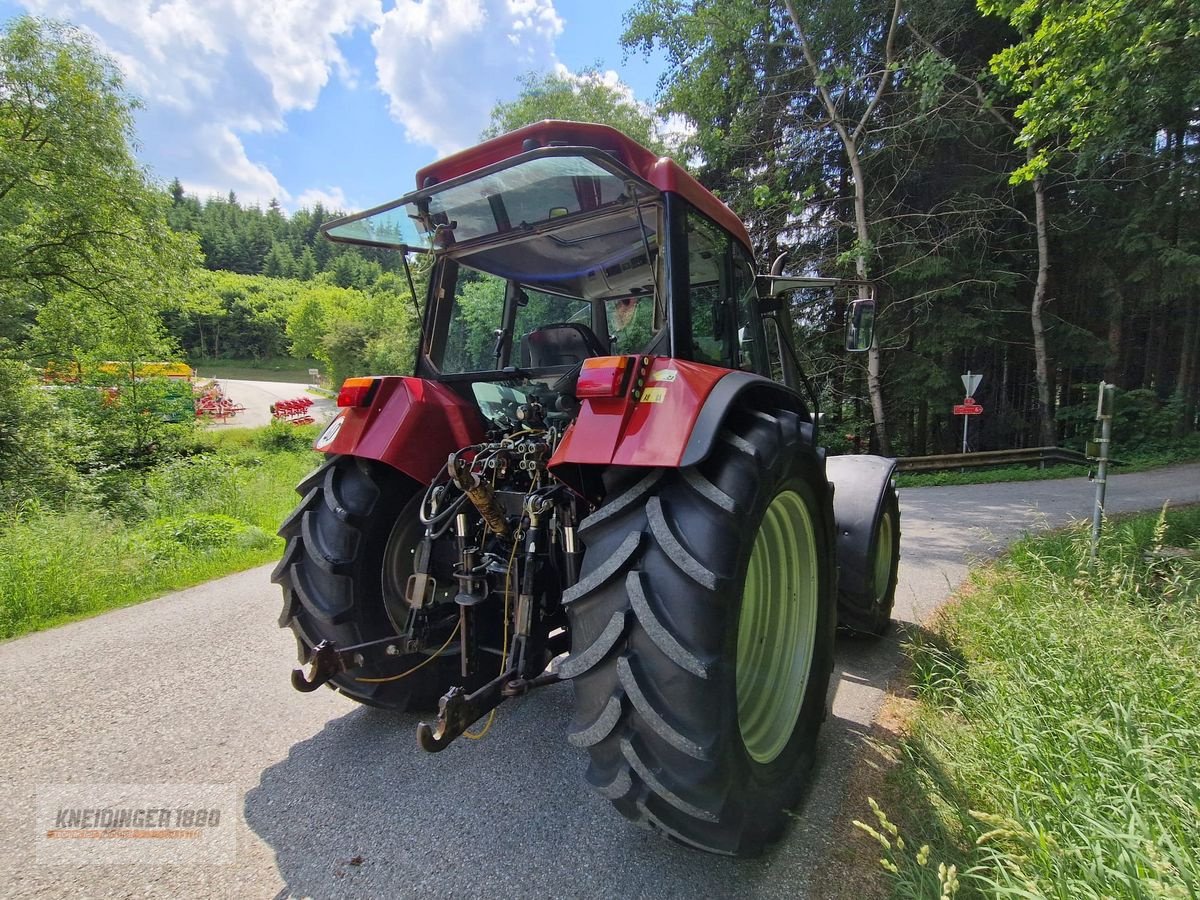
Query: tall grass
[(1056, 747), (190, 520)]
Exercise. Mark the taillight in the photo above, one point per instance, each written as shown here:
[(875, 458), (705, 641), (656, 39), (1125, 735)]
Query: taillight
[(602, 376), (356, 392)]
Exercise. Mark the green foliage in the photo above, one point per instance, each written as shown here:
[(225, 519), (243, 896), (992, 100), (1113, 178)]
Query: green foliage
[(1142, 421), (202, 533), (34, 432), (86, 259), (1053, 750), (346, 330), (584, 96), (121, 425), (995, 475), (1098, 75), (282, 436), (187, 520)]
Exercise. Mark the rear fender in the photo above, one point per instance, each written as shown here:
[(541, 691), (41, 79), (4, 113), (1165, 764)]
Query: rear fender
[(671, 415), (412, 425), (859, 486)]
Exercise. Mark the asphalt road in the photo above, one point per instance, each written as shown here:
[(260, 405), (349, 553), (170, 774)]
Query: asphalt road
[(193, 688)]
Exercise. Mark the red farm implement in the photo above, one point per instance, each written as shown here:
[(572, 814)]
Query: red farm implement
[(296, 411), (211, 403)]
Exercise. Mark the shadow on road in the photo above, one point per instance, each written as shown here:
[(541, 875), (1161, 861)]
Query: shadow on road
[(358, 809)]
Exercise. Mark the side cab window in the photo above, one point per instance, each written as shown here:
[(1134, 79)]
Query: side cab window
[(726, 327), (751, 340)]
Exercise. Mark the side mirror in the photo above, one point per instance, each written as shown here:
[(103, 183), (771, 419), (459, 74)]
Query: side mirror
[(860, 325)]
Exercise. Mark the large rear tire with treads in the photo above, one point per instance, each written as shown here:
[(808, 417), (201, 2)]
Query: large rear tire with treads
[(702, 632), (348, 556)]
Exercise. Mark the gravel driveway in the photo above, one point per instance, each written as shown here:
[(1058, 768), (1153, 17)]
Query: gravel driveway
[(336, 800)]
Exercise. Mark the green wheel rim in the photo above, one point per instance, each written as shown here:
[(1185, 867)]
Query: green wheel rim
[(777, 627), (883, 557)]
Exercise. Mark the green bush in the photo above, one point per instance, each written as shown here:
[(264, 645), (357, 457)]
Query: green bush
[(204, 532), (178, 524), (42, 447), (1142, 421), (281, 436)]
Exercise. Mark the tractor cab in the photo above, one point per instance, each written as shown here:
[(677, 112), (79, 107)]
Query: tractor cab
[(563, 242)]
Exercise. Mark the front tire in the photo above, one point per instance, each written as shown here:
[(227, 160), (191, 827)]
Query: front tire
[(699, 691), (348, 556)]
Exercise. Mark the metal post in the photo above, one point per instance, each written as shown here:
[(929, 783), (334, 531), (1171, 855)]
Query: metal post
[(1104, 411), (966, 418)]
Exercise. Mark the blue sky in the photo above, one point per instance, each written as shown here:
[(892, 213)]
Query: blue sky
[(332, 100)]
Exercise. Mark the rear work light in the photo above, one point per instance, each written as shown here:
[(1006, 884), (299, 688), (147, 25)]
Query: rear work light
[(356, 392), (602, 376)]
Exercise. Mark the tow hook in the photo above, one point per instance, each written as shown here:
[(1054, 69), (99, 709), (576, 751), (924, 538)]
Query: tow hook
[(328, 660), (324, 663), (458, 710)]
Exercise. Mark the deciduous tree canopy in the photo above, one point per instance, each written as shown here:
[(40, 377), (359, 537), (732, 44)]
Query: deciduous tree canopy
[(86, 258)]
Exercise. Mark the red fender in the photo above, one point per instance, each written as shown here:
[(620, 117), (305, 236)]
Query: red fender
[(412, 425), (649, 425)]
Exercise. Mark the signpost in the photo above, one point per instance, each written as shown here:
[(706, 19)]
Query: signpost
[(1104, 415), (968, 407)]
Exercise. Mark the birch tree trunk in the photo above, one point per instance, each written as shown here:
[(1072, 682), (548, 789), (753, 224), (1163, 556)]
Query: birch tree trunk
[(850, 133), (1046, 428)]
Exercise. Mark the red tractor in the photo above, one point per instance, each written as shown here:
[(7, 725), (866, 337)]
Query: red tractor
[(608, 451)]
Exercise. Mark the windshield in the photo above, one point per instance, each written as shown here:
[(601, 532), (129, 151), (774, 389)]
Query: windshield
[(547, 330), (513, 199), (588, 287)]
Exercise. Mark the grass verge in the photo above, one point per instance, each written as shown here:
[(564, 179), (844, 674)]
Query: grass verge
[(190, 520), (1054, 746), (281, 368)]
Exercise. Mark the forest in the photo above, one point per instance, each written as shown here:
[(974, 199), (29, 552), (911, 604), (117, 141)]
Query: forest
[(1019, 179)]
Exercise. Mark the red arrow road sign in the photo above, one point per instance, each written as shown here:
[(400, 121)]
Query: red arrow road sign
[(968, 409)]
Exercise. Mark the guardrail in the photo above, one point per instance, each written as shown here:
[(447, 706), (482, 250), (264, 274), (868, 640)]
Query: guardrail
[(1034, 456)]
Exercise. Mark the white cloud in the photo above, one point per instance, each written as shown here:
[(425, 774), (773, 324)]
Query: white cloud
[(673, 130), (332, 198), (219, 150), (608, 78), (443, 63), (210, 70), (213, 72)]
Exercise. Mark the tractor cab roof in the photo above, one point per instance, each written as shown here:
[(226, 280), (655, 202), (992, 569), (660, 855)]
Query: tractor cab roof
[(524, 182)]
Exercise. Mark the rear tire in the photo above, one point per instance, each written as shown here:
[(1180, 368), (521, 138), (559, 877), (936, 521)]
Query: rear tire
[(348, 555), (677, 608)]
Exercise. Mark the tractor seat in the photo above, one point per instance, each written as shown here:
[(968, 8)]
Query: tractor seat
[(559, 344)]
